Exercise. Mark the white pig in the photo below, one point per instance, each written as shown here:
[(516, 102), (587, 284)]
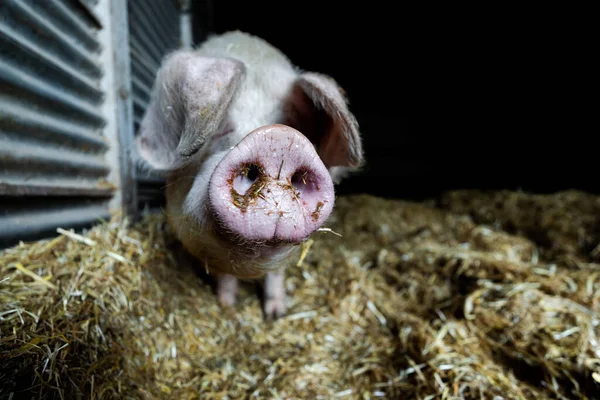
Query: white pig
[(252, 146)]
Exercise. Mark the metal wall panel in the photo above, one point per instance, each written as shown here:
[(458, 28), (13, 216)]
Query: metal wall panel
[(75, 80), (53, 144), (154, 31)]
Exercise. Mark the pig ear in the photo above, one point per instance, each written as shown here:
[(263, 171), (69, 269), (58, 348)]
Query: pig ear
[(317, 108), (188, 104)]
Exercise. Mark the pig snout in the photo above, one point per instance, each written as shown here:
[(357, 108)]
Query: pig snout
[(271, 187)]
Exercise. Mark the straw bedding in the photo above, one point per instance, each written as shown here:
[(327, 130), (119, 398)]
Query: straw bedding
[(472, 296)]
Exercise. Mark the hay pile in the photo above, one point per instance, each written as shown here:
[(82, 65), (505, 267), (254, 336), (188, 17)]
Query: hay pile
[(477, 296)]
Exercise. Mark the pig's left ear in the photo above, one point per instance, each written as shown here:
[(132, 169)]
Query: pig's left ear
[(317, 107), (189, 103)]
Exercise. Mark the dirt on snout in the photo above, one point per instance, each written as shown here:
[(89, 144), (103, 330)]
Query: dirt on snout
[(473, 296), (259, 181)]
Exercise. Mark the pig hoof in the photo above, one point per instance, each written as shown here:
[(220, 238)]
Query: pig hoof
[(227, 287), (274, 308), (227, 299)]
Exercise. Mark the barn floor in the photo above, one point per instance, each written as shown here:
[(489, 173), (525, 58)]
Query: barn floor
[(472, 296)]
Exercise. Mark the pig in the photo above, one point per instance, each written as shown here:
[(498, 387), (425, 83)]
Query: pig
[(252, 147)]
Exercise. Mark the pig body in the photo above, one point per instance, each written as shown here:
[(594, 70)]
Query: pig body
[(252, 146)]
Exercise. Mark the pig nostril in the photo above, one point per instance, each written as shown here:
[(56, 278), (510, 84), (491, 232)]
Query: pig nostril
[(303, 180), (245, 177), (253, 172)]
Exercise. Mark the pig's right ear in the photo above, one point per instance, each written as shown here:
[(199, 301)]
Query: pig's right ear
[(188, 104), (317, 107)]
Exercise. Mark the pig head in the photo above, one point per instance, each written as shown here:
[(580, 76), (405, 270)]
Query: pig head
[(252, 147)]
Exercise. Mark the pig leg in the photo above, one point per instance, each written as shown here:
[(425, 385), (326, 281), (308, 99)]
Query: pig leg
[(274, 291), (227, 287)]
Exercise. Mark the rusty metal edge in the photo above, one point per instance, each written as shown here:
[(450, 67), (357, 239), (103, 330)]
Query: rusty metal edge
[(124, 104)]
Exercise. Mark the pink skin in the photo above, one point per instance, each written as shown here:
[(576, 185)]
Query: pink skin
[(288, 191), (275, 294), (288, 195), (227, 287), (243, 210)]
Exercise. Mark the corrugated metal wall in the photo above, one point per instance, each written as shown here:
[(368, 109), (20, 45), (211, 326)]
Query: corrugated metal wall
[(53, 166), (75, 78), (154, 30)]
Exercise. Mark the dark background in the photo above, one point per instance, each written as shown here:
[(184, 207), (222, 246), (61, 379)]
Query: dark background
[(445, 102)]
